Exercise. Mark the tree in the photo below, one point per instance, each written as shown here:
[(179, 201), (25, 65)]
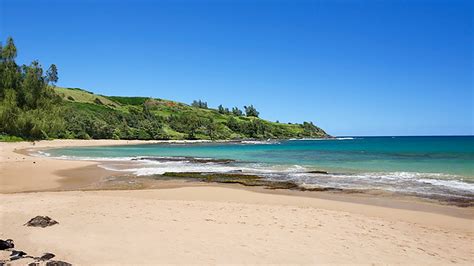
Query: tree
[(236, 111), (33, 85), (28, 109), (52, 75), (187, 123), (221, 109), (192, 123), (310, 129), (9, 71), (9, 113), (251, 111), (211, 128), (233, 124), (9, 51), (199, 104)]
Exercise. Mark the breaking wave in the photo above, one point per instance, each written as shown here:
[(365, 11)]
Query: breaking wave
[(422, 184), (432, 185)]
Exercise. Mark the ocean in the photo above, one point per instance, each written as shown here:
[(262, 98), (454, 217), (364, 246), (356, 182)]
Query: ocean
[(432, 167)]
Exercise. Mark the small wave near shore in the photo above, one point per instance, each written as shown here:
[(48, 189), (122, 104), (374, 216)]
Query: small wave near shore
[(444, 187)]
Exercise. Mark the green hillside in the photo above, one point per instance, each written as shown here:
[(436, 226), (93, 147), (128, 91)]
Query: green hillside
[(98, 116), (32, 107)]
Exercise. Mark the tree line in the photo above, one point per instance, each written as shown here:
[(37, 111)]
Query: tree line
[(250, 111), (29, 107)]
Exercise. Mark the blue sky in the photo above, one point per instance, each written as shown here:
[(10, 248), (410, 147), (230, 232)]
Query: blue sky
[(352, 67)]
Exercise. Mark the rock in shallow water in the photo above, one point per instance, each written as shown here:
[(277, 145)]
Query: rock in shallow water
[(318, 172)]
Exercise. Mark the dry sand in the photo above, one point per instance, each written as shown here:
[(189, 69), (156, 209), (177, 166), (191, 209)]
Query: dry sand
[(215, 224)]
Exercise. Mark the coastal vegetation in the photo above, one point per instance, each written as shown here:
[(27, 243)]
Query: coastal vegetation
[(33, 107)]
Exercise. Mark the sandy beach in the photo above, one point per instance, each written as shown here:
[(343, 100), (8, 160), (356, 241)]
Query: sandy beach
[(214, 224)]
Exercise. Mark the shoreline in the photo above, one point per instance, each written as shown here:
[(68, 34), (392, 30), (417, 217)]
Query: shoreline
[(15, 156), (72, 177), (321, 226)]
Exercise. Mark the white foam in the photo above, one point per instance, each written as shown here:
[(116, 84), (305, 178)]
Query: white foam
[(401, 181), (266, 142), (393, 181), (427, 183), (158, 168), (40, 153), (459, 185)]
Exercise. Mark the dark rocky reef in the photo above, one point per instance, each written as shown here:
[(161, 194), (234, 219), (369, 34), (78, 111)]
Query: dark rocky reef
[(318, 172), (235, 178), (239, 178)]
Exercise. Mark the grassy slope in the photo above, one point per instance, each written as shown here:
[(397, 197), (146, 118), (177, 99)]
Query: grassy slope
[(161, 107), (82, 96)]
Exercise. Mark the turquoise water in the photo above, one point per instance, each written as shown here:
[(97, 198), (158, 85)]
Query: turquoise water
[(420, 165)]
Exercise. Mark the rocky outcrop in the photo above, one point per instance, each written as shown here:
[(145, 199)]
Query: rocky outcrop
[(41, 221)]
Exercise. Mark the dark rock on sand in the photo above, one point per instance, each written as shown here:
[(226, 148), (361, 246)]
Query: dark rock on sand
[(41, 221), (58, 263), (47, 256), (17, 254), (322, 189), (21, 256), (6, 244)]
